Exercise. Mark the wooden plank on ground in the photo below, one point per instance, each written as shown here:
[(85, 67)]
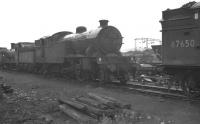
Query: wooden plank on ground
[(110, 103), (117, 102), (81, 118), (97, 112), (91, 102), (71, 103)]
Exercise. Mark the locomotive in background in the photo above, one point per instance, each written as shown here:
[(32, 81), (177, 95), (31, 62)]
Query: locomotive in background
[(87, 55), (181, 45)]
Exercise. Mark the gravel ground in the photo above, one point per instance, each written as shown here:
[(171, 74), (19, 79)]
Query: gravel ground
[(34, 101)]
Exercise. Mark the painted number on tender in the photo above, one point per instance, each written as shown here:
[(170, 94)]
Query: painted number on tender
[(183, 44)]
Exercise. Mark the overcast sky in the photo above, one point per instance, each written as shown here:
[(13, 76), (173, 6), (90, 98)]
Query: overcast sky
[(28, 20)]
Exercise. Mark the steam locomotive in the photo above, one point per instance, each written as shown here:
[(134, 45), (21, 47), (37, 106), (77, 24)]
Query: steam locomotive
[(84, 55)]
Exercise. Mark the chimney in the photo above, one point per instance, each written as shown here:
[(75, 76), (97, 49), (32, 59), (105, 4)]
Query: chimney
[(103, 23)]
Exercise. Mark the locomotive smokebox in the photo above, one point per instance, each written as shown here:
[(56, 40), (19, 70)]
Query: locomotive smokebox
[(103, 23), (81, 29)]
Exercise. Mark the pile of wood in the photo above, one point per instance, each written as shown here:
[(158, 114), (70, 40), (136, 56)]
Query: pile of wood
[(4, 88), (92, 107)]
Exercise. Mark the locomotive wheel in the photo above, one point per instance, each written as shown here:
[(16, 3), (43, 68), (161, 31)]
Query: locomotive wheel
[(187, 86), (78, 74), (123, 77), (81, 75), (123, 81), (104, 76)]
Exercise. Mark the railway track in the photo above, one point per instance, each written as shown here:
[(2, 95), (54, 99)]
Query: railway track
[(133, 86), (158, 91), (154, 90)]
